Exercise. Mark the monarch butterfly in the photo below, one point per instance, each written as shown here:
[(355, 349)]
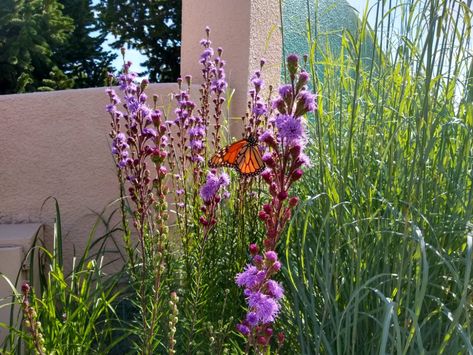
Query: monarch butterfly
[(243, 155)]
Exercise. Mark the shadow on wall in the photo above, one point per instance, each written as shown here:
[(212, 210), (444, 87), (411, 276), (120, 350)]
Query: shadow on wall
[(327, 20)]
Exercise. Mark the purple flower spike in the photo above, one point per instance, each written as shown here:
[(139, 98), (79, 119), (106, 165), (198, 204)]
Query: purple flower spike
[(213, 183)]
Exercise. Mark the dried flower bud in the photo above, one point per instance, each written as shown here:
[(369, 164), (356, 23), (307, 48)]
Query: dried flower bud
[(188, 79)]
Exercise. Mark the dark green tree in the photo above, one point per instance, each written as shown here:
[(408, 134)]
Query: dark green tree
[(151, 26), (29, 30), (81, 56)]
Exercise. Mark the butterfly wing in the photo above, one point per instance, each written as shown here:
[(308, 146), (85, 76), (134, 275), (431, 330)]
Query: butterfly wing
[(228, 155), (249, 162)]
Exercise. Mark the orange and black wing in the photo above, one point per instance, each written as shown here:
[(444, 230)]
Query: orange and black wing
[(228, 155), (249, 161)]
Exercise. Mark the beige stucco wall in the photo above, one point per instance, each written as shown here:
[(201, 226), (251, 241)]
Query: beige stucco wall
[(56, 144), (247, 30)]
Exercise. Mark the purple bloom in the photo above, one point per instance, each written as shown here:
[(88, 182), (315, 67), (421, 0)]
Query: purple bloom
[(305, 103), (196, 132), (265, 307), (149, 132), (285, 91), (196, 144), (275, 289), (243, 329), (259, 108), (290, 129), (303, 78), (218, 85), (304, 160), (224, 179), (208, 52), (213, 183), (110, 108), (252, 318), (292, 59), (257, 83), (247, 278)]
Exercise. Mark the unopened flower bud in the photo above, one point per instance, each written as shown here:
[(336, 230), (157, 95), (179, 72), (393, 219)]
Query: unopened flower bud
[(262, 340), (267, 208), (266, 175), (203, 221), (262, 215), (292, 64), (268, 160), (296, 175), (254, 249), (293, 201), (271, 256), (282, 195), (295, 151), (257, 259), (25, 287), (281, 338)]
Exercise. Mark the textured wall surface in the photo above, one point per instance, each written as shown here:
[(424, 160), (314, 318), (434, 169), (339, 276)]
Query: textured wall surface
[(56, 144), (248, 30), (328, 19)]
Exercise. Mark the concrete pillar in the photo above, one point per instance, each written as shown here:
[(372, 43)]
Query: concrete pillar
[(247, 30)]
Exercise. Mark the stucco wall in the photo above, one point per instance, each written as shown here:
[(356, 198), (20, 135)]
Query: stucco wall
[(56, 144)]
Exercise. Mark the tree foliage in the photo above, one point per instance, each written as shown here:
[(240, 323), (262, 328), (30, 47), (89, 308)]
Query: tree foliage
[(152, 27), (81, 56), (29, 30)]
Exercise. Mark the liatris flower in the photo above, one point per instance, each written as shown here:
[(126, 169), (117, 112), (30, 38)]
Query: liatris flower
[(213, 73), (262, 296), (258, 108), (294, 99), (285, 140), (209, 192), (290, 129)]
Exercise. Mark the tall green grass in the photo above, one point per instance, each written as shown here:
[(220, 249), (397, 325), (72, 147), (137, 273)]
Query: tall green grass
[(76, 308), (379, 255)]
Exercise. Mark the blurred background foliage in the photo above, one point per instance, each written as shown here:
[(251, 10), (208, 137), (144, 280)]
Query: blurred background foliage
[(61, 44)]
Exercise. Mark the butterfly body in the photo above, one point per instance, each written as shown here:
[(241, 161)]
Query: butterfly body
[(243, 155)]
